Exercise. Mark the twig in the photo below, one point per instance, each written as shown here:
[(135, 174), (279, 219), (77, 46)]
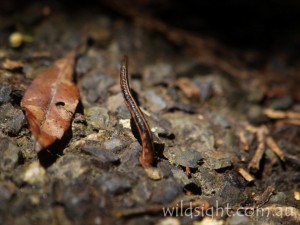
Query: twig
[(274, 147), (248, 177), (261, 137), (157, 208), (277, 114), (262, 199), (251, 128), (244, 142), (292, 121)]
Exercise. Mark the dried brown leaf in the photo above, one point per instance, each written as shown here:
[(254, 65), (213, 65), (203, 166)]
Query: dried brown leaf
[(12, 65), (50, 101)]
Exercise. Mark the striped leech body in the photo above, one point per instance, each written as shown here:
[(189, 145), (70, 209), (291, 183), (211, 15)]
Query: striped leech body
[(146, 157)]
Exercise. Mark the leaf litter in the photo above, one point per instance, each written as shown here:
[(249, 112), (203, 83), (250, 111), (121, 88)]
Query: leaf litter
[(50, 101)]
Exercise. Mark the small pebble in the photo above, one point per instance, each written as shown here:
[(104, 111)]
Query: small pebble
[(165, 168), (17, 39), (125, 123), (116, 101), (239, 219), (209, 181), (114, 144), (142, 191), (158, 74), (255, 115), (153, 173), (218, 159), (130, 158), (256, 96), (68, 166), (34, 174), (9, 155), (279, 197), (232, 190), (156, 101), (101, 153), (97, 117), (218, 120), (184, 156), (96, 86), (205, 88), (5, 91), (181, 176), (114, 183), (209, 221), (81, 201), (297, 195), (7, 190), (168, 221), (283, 103), (11, 119), (161, 126), (83, 65), (188, 108), (166, 190)]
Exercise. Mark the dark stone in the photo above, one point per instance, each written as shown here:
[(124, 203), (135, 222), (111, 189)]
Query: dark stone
[(97, 117), (81, 201), (184, 156), (96, 86), (69, 166), (232, 190), (181, 176), (11, 119), (5, 91), (114, 144), (240, 219), (101, 153), (188, 108), (83, 65), (143, 191), (283, 103), (158, 74), (196, 138), (161, 126), (255, 115), (256, 96), (114, 183), (123, 112), (161, 192), (7, 191), (218, 120), (278, 197), (164, 168), (205, 88), (116, 104), (9, 155), (156, 101), (164, 191), (208, 180), (218, 159), (130, 158)]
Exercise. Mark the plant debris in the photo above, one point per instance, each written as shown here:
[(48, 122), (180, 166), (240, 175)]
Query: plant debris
[(50, 101)]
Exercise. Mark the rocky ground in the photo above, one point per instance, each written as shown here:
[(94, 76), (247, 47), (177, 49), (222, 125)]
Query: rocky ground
[(225, 123)]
